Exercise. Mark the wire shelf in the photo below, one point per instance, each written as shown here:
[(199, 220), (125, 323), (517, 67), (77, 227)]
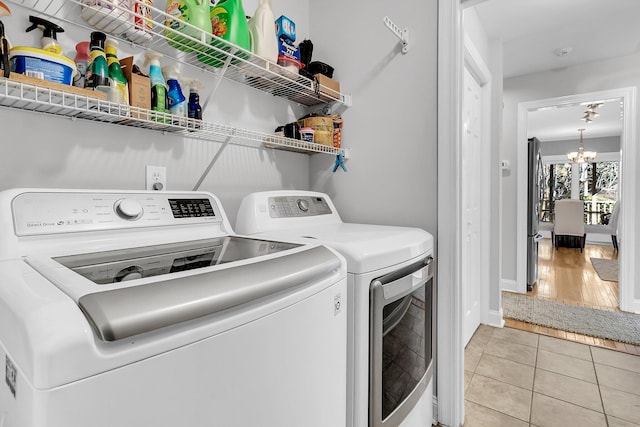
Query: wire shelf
[(197, 49), (24, 96)]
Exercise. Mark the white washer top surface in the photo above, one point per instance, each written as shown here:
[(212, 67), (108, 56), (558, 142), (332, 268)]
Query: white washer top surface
[(366, 247)]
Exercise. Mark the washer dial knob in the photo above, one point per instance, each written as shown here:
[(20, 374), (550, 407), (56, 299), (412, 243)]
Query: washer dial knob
[(128, 209), (303, 205)]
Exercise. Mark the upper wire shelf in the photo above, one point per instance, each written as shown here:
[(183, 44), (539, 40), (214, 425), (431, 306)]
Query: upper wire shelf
[(203, 51)]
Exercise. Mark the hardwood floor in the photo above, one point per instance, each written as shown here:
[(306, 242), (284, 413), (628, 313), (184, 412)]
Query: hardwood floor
[(566, 275)]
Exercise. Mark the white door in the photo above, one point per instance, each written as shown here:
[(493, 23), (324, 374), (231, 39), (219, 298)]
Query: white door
[(471, 205)]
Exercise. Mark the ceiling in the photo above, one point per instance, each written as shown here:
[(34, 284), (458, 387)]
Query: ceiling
[(555, 124), (591, 30)]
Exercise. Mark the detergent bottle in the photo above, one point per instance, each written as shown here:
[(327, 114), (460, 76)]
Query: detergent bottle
[(228, 22), (118, 80), (177, 101), (159, 100), (98, 71), (49, 40), (263, 34), (181, 13)]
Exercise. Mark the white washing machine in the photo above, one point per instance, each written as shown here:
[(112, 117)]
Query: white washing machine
[(138, 309), (390, 302)]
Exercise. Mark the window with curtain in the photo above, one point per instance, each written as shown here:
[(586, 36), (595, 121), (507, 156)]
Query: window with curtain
[(598, 188)]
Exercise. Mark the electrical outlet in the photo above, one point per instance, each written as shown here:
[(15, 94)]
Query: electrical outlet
[(156, 178)]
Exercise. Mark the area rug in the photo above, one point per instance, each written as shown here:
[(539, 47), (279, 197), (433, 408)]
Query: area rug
[(607, 269), (616, 326)]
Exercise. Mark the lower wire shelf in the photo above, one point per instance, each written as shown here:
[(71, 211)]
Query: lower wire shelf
[(32, 97)]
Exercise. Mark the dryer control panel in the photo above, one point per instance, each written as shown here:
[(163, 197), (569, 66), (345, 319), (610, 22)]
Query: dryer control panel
[(298, 206)]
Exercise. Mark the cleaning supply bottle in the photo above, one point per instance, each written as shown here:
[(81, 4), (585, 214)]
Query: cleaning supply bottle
[(177, 101), (98, 72), (115, 72), (194, 109), (228, 22), (180, 14), (5, 65), (159, 100), (82, 63), (263, 34), (49, 40), (141, 29)]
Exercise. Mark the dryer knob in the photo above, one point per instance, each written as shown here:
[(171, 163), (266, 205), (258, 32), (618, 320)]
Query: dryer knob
[(128, 209), (303, 205)]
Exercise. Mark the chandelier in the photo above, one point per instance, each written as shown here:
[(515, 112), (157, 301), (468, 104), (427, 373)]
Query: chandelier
[(582, 156)]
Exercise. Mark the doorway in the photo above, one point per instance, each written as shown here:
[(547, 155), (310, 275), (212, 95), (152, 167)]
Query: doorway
[(627, 98)]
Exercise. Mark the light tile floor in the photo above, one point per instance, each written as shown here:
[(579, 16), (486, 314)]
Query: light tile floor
[(518, 378)]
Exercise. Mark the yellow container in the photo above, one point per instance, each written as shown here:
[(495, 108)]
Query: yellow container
[(323, 127)]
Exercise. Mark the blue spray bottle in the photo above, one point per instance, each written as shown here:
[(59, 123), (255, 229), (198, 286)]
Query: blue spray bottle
[(159, 99), (177, 101), (194, 108)]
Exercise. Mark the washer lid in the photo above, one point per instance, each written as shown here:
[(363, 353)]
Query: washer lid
[(366, 247)]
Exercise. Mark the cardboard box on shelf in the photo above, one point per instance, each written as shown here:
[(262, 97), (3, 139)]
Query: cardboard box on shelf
[(329, 86), (139, 86)]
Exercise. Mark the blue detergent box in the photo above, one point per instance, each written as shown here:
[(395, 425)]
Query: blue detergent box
[(286, 50), (286, 28)]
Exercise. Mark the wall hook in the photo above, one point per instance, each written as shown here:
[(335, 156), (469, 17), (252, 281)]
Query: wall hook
[(403, 35)]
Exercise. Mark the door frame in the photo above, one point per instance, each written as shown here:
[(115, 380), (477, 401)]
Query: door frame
[(449, 410), (626, 192)]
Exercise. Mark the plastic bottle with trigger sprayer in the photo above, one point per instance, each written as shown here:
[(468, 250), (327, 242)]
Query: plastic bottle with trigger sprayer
[(159, 100), (194, 108), (177, 101)]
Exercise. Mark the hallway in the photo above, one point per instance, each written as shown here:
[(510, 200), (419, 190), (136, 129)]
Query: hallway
[(567, 275)]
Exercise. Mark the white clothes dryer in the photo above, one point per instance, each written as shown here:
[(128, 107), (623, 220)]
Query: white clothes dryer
[(141, 308), (391, 314)]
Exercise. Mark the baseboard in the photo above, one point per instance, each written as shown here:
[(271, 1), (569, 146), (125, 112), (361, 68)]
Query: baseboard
[(508, 285), (495, 318), (635, 306)]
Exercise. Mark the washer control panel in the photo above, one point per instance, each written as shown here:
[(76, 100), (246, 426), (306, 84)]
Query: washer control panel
[(37, 213), (298, 206)]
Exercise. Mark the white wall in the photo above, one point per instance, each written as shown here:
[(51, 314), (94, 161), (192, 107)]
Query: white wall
[(46, 151), (597, 76), (391, 127)]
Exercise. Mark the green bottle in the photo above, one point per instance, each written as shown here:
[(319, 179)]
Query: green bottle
[(98, 72), (228, 21), (115, 72)]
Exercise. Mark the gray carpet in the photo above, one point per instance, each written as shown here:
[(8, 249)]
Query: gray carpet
[(616, 326), (607, 269)]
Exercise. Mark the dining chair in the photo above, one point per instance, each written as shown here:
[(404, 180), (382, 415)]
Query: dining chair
[(569, 221)]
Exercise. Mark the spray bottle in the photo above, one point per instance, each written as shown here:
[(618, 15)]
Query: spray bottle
[(98, 72), (5, 66), (115, 72), (159, 100), (177, 101), (49, 40), (194, 108)]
